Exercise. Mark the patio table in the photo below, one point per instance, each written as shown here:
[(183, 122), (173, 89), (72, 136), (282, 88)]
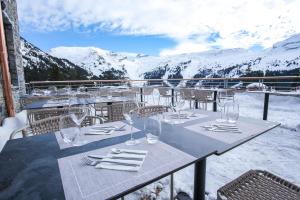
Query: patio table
[(29, 167)]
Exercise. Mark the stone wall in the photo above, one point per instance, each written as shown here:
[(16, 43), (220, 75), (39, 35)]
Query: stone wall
[(12, 36)]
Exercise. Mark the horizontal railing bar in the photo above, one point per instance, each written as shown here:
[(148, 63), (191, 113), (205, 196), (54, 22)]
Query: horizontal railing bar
[(177, 79)]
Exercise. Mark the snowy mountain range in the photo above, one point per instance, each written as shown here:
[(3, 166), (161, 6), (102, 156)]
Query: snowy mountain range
[(282, 59)]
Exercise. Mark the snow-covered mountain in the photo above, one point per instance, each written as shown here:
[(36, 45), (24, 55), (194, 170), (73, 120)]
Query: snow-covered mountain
[(282, 59), (40, 66)]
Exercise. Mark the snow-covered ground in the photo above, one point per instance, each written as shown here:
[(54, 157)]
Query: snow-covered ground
[(277, 151)]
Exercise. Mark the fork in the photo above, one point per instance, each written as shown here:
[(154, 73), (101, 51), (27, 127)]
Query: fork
[(87, 161)]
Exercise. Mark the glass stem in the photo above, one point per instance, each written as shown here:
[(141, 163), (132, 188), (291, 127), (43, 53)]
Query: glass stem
[(131, 131)]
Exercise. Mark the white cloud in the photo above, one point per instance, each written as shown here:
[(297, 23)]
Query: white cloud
[(241, 23)]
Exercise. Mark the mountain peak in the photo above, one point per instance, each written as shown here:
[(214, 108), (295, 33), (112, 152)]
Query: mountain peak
[(291, 43)]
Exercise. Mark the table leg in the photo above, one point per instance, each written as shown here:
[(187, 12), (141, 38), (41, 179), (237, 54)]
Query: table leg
[(172, 96), (171, 186), (199, 180), (266, 106), (196, 104), (215, 101), (141, 92)]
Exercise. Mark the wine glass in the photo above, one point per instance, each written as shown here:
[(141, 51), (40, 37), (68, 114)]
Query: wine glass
[(177, 107), (221, 101), (130, 110), (77, 117), (232, 112), (68, 129), (153, 128), (193, 107)]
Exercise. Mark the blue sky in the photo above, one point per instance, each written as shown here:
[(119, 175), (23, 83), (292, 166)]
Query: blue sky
[(158, 27), (150, 45)]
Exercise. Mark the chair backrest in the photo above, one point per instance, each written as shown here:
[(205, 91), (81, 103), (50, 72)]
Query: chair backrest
[(227, 93), (51, 124), (103, 92), (163, 91), (147, 111), (29, 100), (148, 91), (83, 95), (38, 114), (129, 94), (115, 111), (186, 93), (202, 95)]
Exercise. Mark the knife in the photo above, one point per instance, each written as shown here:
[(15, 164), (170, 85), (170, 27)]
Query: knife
[(117, 167), (119, 156)]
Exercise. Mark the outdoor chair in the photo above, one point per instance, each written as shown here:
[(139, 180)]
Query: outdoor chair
[(227, 94), (129, 94), (187, 94), (164, 92), (152, 110), (115, 111), (103, 92), (148, 92), (51, 124), (98, 107), (259, 185), (204, 97), (29, 100), (38, 114), (83, 95)]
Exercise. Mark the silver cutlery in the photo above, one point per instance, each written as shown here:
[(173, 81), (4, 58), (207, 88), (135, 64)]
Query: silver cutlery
[(90, 162), (99, 132), (117, 167), (120, 156), (129, 151)]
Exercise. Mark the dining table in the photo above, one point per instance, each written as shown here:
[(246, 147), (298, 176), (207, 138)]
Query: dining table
[(41, 167)]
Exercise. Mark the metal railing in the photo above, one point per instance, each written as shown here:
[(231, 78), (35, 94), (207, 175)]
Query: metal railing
[(276, 82)]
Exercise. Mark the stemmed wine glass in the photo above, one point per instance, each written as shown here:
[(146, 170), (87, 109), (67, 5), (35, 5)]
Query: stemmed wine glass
[(77, 117), (68, 129), (130, 110), (177, 106)]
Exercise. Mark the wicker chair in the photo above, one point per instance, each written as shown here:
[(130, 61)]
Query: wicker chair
[(115, 111), (38, 114), (228, 94), (164, 93), (259, 185), (187, 94), (129, 94), (51, 124), (152, 110), (204, 97), (29, 100), (83, 95), (148, 92)]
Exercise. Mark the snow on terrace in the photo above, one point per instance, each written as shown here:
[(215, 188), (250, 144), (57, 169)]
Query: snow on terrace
[(277, 151)]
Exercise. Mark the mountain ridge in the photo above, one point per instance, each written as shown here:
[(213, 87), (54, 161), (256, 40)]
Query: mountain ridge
[(95, 63)]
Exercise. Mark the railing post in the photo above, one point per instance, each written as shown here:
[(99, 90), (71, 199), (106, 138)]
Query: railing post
[(215, 101), (266, 106), (172, 96)]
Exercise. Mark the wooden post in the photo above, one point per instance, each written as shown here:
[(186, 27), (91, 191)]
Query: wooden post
[(5, 72)]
